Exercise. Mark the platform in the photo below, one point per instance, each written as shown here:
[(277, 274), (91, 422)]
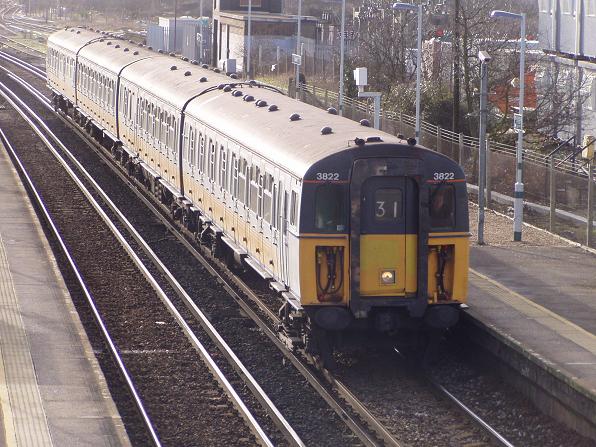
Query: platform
[(538, 306), (52, 391)]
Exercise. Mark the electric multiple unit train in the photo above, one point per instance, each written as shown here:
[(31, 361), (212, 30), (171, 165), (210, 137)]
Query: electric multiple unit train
[(355, 228)]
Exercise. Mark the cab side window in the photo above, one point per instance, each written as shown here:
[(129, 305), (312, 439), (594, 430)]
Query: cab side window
[(442, 206)]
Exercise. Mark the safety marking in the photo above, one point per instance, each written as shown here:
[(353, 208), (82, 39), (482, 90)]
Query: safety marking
[(18, 384), (560, 325)]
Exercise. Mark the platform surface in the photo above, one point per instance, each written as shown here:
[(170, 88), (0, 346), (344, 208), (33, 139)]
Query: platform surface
[(52, 391), (542, 298)]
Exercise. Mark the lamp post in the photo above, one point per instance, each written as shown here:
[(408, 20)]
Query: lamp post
[(518, 203), (484, 59), (409, 7), (201, 31), (298, 49), (341, 57), (248, 44)]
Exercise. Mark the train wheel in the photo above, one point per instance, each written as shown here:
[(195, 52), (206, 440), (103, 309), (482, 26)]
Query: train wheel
[(320, 347)]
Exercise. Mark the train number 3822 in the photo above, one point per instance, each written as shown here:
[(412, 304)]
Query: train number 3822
[(327, 176), (443, 176)]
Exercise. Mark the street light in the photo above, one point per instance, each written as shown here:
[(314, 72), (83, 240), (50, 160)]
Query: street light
[(298, 52), (409, 7), (484, 60), (518, 202), (249, 38), (341, 57)]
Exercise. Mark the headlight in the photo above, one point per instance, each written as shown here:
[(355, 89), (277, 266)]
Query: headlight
[(388, 277)]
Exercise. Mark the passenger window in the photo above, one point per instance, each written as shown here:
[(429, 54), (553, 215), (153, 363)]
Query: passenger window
[(388, 204), (330, 213), (294, 208), (442, 206)]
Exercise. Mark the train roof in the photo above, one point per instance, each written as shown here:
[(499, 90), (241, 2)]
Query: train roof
[(72, 39), (295, 145), (174, 86), (114, 54)]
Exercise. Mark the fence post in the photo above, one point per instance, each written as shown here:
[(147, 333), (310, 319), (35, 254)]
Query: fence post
[(461, 149), (590, 228), (438, 138), (552, 193), (489, 182)]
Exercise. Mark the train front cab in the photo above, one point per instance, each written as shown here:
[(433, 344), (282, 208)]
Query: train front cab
[(386, 245)]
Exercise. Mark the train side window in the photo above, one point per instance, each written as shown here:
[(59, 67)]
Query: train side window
[(190, 156), (223, 166), (234, 185), (274, 206), (211, 160), (442, 206), (254, 189), (201, 153), (294, 208), (260, 197), (242, 173), (330, 213), (388, 204), (266, 197)]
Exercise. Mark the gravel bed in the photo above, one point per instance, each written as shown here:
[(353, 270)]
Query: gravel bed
[(469, 373), (314, 421), (185, 405)]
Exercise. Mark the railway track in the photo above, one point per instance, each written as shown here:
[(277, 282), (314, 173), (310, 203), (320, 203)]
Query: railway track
[(266, 319), (344, 435), (221, 411)]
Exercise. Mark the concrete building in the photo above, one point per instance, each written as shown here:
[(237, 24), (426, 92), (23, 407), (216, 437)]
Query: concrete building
[(567, 35), (182, 36), (273, 33)]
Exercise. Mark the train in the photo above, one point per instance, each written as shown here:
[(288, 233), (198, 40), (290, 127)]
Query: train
[(358, 231)]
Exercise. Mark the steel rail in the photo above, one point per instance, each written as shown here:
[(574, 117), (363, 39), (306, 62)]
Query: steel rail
[(24, 110), (315, 382), (27, 50), (24, 65), (108, 339), (494, 434)]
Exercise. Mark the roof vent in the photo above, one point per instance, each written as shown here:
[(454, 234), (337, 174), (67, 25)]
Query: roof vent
[(172, 54), (187, 73), (220, 86), (364, 122), (233, 76), (326, 130), (131, 41), (227, 89), (273, 108), (173, 67), (140, 45), (126, 49), (184, 58), (101, 40), (295, 117), (78, 32), (261, 103), (359, 141), (203, 79), (252, 82), (237, 93), (72, 30), (109, 43), (376, 139), (204, 66), (332, 111), (412, 141), (150, 48), (160, 51), (116, 46), (249, 98), (194, 62), (217, 70), (136, 53)]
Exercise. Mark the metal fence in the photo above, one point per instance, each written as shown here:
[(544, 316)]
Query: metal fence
[(556, 194)]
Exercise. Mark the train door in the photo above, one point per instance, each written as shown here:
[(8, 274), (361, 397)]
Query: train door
[(282, 229), (384, 235)]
